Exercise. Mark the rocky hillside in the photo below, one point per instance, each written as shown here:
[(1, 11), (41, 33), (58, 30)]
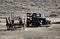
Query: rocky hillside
[(48, 7)]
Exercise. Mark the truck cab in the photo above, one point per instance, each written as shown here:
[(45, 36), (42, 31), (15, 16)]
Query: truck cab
[(36, 19)]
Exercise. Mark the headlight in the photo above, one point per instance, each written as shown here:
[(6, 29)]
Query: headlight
[(27, 17), (47, 19)]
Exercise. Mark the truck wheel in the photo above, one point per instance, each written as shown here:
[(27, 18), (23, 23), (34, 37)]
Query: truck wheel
[(8, 28), (27, 26), (11, 28)]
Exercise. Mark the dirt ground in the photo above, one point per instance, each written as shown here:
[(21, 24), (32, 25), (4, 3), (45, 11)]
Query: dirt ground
[(52, 32)]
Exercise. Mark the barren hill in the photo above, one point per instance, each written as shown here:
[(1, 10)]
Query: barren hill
[(47, 7)]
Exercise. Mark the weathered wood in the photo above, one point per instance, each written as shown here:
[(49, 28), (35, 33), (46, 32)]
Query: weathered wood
[(11, 25)]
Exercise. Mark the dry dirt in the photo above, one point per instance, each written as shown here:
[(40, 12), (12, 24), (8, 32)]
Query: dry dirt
[(16, 7), (52, 32)]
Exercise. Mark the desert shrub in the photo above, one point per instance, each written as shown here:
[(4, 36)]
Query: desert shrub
[(53, 15)]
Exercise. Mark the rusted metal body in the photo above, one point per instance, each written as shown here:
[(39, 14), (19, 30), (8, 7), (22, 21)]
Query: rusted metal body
[(37, 19)]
